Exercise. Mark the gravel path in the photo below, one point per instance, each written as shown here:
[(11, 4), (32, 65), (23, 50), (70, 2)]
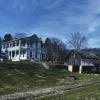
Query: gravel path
[(45, 91)]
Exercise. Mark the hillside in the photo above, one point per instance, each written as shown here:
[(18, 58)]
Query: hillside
[(22, 76)]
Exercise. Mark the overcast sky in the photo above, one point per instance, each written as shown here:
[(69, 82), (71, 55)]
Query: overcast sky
[(52, 18)]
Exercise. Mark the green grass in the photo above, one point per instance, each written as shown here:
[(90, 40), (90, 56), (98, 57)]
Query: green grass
[(23, 76), (88, 93)]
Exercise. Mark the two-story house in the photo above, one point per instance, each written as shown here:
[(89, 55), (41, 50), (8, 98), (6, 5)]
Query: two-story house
[(28, 48)]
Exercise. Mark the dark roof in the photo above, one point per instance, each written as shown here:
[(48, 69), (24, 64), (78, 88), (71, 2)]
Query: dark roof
[(25, 38), (86, 56)]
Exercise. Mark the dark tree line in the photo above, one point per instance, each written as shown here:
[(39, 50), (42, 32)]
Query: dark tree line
[(54, 50)]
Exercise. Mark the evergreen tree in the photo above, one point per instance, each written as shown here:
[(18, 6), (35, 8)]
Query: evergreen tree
[(7, 37)]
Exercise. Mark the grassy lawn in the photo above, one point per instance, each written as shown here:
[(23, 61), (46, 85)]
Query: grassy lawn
[(23, 76), (88, 93)]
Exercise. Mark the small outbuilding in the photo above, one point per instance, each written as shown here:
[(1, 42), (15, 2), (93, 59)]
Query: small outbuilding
[(83, 62)]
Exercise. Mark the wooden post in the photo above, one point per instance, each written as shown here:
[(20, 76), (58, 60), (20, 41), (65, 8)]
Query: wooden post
[(80, 69), (70, 68)]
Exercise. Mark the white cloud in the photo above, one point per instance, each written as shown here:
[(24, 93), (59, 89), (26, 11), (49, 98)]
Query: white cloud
[(53, 4), (93, 26), (57, 17), (94, 42)]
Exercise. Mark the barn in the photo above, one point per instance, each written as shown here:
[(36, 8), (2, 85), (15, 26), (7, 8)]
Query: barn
[(83, 62)]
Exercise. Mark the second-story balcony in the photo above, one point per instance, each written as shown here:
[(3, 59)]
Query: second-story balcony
[(25, 46)]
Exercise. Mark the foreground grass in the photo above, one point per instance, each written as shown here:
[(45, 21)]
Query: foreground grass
[(88, 93), (22, 76)]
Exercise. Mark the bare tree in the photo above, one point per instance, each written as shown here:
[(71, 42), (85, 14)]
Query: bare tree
[(54, 49), (77, 41)]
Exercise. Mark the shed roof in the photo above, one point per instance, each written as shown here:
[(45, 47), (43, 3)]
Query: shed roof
[(86, 56)]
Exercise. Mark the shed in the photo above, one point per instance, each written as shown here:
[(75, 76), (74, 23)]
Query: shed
[(81, 60)]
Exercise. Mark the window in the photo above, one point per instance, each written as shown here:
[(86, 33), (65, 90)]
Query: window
[(10, 53), (30, 45), (24, 52), (17, 52), (13, 53), (17, 43), (4, 46), (13, 44), (36, 54), (30, 54), (8, 45), (23, 44)]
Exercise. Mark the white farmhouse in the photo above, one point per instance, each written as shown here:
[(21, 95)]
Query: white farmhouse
[(28, 48)]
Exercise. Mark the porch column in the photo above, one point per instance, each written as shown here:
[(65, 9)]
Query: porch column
[(11, 55), (26, 53), (11, 49), (9, 45), (19, 49), (8, 55), (80, 69), (26, 50)]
